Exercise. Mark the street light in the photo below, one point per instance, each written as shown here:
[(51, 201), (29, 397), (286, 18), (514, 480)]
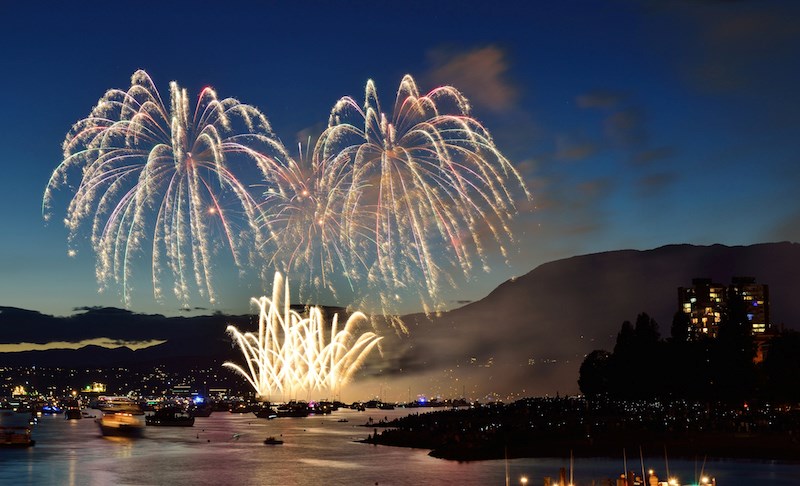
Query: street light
[(523, 480)]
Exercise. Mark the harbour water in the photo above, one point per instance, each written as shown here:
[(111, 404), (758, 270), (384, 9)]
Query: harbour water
[(228, 448)]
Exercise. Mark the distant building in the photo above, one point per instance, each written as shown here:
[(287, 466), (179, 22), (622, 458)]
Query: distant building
[(706, 303), (182, 390), (756, 299), (703, 302)]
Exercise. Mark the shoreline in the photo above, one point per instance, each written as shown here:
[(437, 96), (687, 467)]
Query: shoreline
[(539, 428), (750, 448)]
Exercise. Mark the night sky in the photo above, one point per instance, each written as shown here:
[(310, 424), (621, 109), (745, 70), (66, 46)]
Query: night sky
[(634, 125)]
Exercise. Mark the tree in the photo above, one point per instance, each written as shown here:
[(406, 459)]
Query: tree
[(679, 331), (646, 330), (782, 367), (594, 374), (626, 338)]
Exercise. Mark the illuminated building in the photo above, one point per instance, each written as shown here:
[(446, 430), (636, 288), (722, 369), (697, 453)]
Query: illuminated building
[(755, 297), (706, 303)]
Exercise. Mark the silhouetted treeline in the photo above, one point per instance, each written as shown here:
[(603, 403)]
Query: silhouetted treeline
[(645, 366), (557, 427)]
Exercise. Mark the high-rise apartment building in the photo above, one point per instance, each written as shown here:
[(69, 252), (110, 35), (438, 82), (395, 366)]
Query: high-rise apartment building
[(755, 297), (706, 303)]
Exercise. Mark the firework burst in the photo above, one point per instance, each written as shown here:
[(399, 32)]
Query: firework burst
[(173, 178), (386, 206), (428, 182), (291, 353)]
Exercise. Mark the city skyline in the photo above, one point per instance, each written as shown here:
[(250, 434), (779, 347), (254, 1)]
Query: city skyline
[(633, 126)]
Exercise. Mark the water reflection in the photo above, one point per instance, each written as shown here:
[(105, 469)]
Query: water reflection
[(228, 449)]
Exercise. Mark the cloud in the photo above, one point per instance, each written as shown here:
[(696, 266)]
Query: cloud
[(480, 74), (194, 309), (102, 342)]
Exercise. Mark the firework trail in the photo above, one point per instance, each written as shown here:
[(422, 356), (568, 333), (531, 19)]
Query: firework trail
[(291, 353), (428, 188), (171, 177)]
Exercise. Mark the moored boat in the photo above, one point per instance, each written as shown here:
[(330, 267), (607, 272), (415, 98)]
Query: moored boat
[(73, 413), (72, 410), (170, 417), (242, 407), (272, 441), (293, 409), (203, 411), (266, 412)]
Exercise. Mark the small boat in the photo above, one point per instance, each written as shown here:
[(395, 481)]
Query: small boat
[(50, 409), (15, 430), (266, 412), (18, 436), (73, 413), (170, 417), (120, 424), (293, 409), (343, 420), (272, 441), (72, 410), (242, 407), (204, 411)]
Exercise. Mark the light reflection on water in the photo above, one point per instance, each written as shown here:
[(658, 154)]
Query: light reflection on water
[(228, 449)]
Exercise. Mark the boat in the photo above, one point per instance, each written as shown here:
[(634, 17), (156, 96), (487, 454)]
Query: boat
[(15, 430), (343, 420), (73, 413), (123, 424), (293, 409), (50, 409), (170, 417), (266, 412), (242, 407), (72, 410), (319, 408), (202, 411), (272, 441), (16, 436), (119, 404)]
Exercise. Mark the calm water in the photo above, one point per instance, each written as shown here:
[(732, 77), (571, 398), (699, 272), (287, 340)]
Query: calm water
[(227, 449)]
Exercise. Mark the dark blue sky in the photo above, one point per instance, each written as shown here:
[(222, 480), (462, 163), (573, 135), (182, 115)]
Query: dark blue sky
[(635, 126)]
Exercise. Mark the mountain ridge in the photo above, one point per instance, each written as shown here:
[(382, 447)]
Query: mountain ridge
[(530, 332)]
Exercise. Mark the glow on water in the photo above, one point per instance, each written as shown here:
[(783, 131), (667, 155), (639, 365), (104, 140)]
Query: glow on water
[(316, 450)]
